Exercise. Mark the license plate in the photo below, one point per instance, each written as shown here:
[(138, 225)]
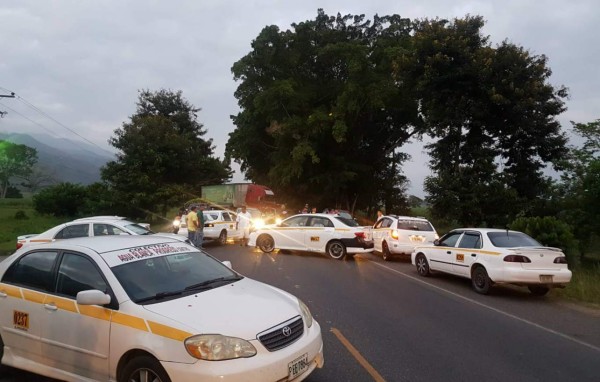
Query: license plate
[(546, 278), (298, 366)]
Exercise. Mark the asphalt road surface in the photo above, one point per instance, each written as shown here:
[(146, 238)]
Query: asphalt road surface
[(382, 322)]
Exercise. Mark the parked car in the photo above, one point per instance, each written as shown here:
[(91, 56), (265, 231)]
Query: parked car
[(495, 256), (334, 235), (147, 308), (398, 235), (92, 226)]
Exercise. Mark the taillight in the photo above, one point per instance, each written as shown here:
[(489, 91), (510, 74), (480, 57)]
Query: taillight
[(360, 234), (19, 244), (516, 259), (394, 234), (560, 260)]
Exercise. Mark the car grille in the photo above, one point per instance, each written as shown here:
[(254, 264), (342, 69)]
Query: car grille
[(282, 335)]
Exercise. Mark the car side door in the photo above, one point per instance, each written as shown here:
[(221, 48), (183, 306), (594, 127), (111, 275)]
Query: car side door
[(380, 232), (320, 230), (466, 252), (441, 256), (23, 290), (290, 233), (229, 224), (76, 337)]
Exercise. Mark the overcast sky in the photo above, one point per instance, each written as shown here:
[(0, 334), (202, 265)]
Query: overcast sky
[(82, 62)]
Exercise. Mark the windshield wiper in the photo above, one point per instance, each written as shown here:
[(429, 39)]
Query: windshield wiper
[(159, 295), (208, 283)]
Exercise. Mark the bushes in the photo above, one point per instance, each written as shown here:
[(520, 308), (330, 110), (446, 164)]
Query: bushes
[(550, 232), (64, 199)]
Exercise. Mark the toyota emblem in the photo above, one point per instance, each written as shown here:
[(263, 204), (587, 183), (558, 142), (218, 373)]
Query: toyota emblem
[(286, 331)]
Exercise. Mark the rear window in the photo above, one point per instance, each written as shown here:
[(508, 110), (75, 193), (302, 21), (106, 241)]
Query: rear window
[(211, 216), (348, 221), (415, 225), (512, 239)]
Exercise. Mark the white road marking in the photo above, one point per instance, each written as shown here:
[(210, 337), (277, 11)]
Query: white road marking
[(565, 336)]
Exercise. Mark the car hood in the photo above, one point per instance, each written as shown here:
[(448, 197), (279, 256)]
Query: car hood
[(241, 309)]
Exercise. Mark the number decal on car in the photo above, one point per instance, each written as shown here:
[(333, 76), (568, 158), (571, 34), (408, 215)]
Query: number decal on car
[(21, 320), (314, 238), (460, 257)]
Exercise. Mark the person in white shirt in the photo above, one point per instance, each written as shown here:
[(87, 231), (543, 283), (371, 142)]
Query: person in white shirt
[(242, 222)]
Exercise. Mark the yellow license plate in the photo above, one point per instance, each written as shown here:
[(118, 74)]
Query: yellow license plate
[(21, 320)]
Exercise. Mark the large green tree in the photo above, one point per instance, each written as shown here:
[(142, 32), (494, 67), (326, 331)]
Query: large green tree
[(492, 113), (16, 161), (163, 156), (322, 115)]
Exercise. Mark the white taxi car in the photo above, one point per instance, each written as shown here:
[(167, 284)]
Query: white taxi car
[(399, 235), (335, 235), (91, 226), (495, 256), (143, 308), (220, 225)]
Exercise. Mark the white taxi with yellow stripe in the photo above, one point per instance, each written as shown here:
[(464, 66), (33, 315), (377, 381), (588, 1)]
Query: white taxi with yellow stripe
[(494, 256), (143, 308), (336, 235), (220, 225), (399, 235)]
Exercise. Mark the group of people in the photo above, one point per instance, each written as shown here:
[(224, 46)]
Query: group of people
[(195, 225), (313, 210)]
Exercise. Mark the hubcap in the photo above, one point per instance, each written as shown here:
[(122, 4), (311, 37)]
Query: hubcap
[(336, 250), (421, 265), (144, 375)]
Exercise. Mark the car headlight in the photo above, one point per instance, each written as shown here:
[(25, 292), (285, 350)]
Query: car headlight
[(216, 347), (176, 223), (258, 223), (305, 313), (278, 221)]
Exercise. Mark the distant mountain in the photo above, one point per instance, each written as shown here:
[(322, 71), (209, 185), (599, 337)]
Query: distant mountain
[(67, 160)]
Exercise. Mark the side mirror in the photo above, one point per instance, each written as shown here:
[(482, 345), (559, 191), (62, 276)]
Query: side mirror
[(436, 242), (92, 297), (227, 263)]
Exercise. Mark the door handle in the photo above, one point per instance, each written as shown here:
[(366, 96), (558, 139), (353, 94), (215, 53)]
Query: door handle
[(449, 252), (50, 306), (473, 255), (3, 294)]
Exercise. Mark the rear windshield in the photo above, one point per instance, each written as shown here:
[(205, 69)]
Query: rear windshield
[(347, 221), (415, 225), (512, 239)]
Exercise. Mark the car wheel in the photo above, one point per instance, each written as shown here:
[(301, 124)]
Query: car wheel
[(336, 250), (266, 243), (223, 237), (538, 290), (1, 353), (422, 265), (480, 280), (144, 369), (385, 252)]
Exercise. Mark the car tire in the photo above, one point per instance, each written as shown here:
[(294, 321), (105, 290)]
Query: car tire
[(422, 265), (385, 252), (1, 354), (265, 243), (538, 290), (223, 237), (144, 368), (336, 250), (480, 280)]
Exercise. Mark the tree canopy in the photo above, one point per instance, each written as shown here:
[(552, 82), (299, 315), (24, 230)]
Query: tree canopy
[(16, 161), (327, 106), (163, 157)]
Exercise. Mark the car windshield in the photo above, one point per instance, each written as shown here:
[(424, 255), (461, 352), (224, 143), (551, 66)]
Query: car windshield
[(138, 229), (153, 280), (512, 239), (347, 221), (414, 225)]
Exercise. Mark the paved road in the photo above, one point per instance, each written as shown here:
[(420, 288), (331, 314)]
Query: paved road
[(382, 322)]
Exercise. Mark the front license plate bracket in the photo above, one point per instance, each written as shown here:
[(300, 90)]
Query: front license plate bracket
[(298, 366)]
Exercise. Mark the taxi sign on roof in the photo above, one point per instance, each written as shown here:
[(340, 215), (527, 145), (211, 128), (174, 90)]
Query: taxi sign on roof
[(143, 252)]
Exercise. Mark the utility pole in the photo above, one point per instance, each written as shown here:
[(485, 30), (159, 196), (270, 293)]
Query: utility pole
[(11, 95)]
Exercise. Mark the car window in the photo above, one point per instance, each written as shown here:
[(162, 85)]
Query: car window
[(414, 225), (295, 221), (386, 222), (33, 270), (211, 216), (320, 222), (75, 230), (512, 239), (172, 273), (347, 221), (470, 240), (107, 229), (226, 217), (450, 239), (378, 224), (138, 229), (77, 273)]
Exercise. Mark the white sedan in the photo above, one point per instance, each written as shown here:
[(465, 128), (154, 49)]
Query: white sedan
[(92, 226), (335, 235), (495, 256), (144, 308)]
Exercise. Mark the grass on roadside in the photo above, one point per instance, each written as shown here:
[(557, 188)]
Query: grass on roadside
[(584, 286)]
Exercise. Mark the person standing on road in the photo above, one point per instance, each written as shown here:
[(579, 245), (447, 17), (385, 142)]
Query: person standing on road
[(192, 224), (200, 230), (242, 222)]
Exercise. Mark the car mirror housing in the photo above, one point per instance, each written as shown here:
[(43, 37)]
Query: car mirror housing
[(436, 242), (92, 297)]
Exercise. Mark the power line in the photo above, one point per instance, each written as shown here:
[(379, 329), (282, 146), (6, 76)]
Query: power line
[(29, 119)]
